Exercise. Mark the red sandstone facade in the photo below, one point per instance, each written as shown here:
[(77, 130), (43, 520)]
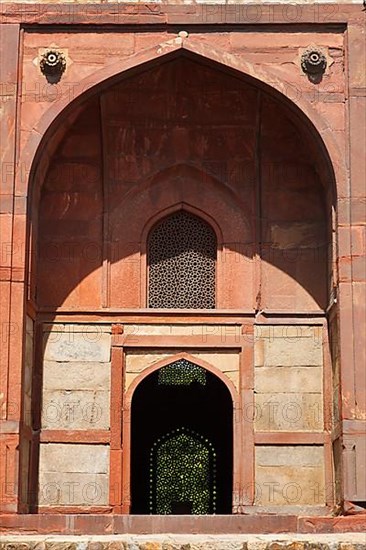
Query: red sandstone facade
[(221, 121)]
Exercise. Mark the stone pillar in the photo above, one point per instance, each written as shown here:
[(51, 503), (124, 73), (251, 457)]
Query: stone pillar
[(13, 215), (352, 262)]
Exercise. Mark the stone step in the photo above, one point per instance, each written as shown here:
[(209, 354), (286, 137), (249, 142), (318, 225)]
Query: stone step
[(340, 541)]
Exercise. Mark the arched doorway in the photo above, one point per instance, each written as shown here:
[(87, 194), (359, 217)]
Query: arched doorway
[(181, 453)]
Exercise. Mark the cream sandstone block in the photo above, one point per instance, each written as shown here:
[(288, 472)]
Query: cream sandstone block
[(289, 412), (87, 375), (77, 346), (76, 410), (73, 474), (290, 475), (289, 379)]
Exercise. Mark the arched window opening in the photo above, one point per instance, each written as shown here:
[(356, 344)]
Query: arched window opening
[(182, 474), (182, 251)]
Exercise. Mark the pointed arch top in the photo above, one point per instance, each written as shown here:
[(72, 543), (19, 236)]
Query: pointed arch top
[(196, 361), (177, 207), (262, 77)]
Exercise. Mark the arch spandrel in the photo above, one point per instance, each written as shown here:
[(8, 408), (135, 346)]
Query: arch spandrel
[(234, 391)]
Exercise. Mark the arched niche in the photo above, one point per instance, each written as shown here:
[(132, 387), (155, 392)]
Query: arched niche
[(194, 133)]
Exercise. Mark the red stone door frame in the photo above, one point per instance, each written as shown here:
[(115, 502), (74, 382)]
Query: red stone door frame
[(120, 462)]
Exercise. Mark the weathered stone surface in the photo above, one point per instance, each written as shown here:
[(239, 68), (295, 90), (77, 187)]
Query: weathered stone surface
[(72, 474), (224, 361), (68, 457), (288, 411), (136, 361), (308, 455), (290, 475), (297, 235), (291, 351), (288, 379), (76, 375), (76, 410), (73, 489), (77, 346)]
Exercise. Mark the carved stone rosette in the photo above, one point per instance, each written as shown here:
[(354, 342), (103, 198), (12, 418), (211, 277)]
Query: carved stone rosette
[(53, 64), (313, 62)]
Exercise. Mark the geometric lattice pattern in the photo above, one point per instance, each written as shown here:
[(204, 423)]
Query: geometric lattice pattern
[(182, 251), (182, 474), (181, 373)]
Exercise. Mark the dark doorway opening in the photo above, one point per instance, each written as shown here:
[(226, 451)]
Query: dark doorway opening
[(182, 441)]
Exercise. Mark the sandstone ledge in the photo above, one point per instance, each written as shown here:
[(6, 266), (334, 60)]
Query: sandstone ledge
[(341, 541), (100, 525)]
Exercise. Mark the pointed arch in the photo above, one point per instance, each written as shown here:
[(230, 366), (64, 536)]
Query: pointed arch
[(127, 417), (263, 77), (171, 359), (154, 220)]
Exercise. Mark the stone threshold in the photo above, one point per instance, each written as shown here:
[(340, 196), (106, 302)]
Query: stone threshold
[(339, 541), (118, 524)]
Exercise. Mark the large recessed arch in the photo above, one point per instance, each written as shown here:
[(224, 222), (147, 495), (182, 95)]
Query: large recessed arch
[(172, 184), (40, 147), (175, 51)]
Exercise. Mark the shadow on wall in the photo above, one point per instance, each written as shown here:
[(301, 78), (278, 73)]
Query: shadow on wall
[(183, 134)]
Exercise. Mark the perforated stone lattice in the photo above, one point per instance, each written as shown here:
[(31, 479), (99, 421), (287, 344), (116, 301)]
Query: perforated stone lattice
[(182, 251), (182, 472), (181, 373)]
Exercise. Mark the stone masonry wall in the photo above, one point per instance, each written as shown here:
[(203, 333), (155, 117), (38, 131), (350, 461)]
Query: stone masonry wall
[(76, 378), (75, 396), (289, 378), (289, 475), (288, 397), (73, 474)]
